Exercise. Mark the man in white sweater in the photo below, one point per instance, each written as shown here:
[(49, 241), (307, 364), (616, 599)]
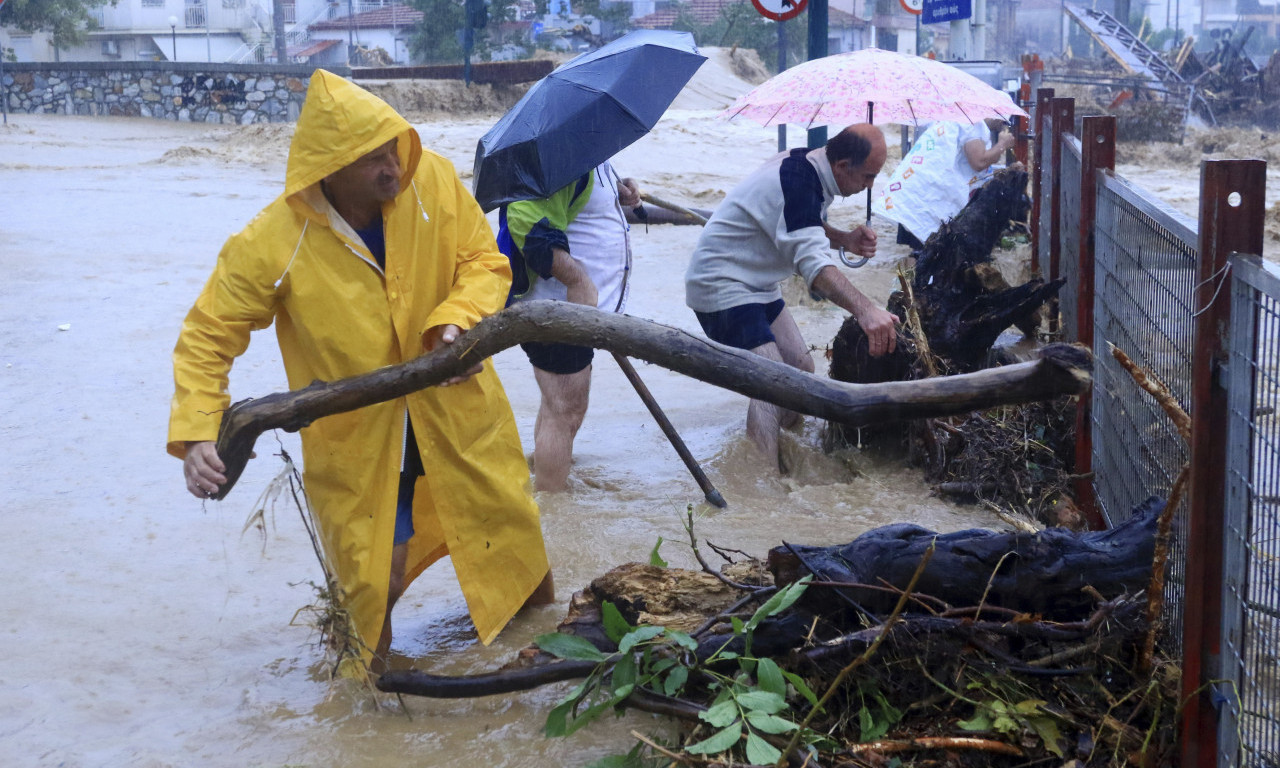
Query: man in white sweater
[(773, 225)]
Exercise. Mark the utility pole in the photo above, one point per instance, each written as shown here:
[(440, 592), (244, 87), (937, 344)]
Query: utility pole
[(959, 40), (817, 50), (979, 42), (277, 31)]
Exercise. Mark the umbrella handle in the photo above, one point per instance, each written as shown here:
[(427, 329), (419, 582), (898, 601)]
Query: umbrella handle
[(848, 262)]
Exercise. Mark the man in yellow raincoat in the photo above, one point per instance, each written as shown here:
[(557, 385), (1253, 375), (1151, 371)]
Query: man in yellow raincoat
[(374, 254)]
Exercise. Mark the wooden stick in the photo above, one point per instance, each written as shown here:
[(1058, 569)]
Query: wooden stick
[(648, 198), (936, 742), (713, 496), (1063, 369)]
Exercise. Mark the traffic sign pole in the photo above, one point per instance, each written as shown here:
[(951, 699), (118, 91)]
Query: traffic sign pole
[(4, 89)]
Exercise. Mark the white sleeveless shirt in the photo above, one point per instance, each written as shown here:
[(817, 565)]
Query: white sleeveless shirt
[(599, 239)]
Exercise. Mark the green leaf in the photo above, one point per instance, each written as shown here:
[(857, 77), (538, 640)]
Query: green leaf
[(593, 713), (779, 602), (717, 742), (655, 558), (770, 723), (770, 677), (1028, 707), (638, 635), (738, 626), (979, 722), (760, 701), (558, 720), (1005, 724), (682, 639), (802, 687), (631, 759), (624, 672), (870, 728), (721, 714), (615, 626), (675, 681), (568, 647), (1047, 729), (661, 665), (890, 714), (761, 752)]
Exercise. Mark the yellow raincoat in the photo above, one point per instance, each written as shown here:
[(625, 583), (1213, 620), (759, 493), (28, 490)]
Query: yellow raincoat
[(338, 314)]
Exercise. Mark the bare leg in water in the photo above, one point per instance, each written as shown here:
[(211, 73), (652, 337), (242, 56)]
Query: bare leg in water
[(766, 420), (543, 594), (395, 588), (564, 405)]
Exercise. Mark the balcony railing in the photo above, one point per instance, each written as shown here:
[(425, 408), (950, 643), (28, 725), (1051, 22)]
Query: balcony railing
[(195, 16)]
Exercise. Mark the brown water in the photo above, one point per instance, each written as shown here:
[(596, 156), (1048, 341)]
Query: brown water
[(142, 628)]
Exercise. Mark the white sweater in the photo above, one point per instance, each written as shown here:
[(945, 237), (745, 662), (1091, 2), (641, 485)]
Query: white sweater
[(767, 228)]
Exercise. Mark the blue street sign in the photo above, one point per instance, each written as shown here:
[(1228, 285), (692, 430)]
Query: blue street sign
[(938, 11)]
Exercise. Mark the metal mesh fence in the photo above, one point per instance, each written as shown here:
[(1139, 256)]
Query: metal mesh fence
[(1069, 237), (1145, 278), (1249, 733)]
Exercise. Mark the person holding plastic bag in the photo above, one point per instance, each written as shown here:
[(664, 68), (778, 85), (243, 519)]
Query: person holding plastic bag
[(947, 163)]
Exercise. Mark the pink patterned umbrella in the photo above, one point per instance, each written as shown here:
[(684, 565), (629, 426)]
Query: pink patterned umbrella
[(854, 87)]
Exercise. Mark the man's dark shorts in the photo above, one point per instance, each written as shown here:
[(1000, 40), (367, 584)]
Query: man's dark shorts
[(745, 326), (563, 359), (404, 508)]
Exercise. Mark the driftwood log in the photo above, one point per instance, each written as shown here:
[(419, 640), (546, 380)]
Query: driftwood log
[(1035, 585), (1041, 573), (1061, 370)]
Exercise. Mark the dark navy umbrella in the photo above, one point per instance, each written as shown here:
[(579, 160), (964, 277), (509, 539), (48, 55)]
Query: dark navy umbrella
[(582, 114)]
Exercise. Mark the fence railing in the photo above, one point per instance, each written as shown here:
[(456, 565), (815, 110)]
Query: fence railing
[(1165, 290)]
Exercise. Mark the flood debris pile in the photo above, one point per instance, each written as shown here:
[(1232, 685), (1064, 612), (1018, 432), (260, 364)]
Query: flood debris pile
[(954, 308), (962, 649), (1232, 88), (1016, 459)]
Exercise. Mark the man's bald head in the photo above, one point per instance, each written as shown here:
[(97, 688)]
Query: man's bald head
[(856, 155)]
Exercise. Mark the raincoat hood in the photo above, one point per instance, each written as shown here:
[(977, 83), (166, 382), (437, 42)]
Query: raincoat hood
[(341, 122)]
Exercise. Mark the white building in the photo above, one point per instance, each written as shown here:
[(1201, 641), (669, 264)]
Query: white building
[(223, 31)]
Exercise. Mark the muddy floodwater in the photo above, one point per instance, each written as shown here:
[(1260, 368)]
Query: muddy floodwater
[(140, 627)]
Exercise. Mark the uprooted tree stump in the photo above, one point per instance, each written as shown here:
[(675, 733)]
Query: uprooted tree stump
[(963, 301), (963, 304), (1060, 370), (1010, 647)]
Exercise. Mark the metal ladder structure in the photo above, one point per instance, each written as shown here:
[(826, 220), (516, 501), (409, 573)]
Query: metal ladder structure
[(1138, 60)]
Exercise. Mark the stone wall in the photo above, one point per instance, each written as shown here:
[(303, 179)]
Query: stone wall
[(226, 93)]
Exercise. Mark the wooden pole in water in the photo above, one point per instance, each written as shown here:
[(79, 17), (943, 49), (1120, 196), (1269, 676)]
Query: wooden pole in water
[(709, 490)]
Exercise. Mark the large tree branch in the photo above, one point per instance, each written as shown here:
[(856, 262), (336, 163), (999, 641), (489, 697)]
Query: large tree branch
[(1062, 370)]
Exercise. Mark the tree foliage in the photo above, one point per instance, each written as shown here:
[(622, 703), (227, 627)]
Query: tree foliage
[(437, 39), (66, 20), (738, 24)]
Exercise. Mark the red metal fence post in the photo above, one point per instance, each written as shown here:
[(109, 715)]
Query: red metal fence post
[(1063, 119), (1040, 119), (1232, 207), (1097, 152)]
